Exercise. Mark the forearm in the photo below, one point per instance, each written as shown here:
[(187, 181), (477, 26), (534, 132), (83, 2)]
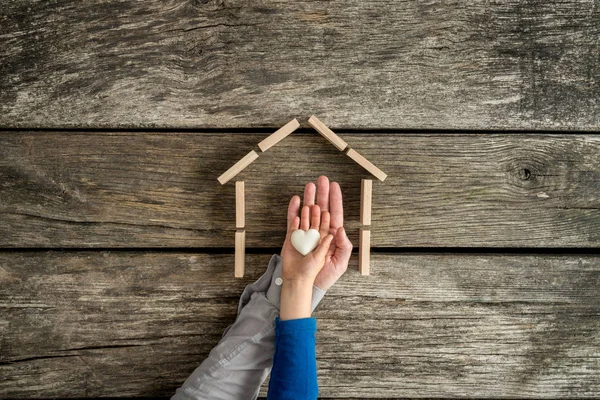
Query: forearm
[(240, 363), (294, 373), (236, 367), (296, 297)]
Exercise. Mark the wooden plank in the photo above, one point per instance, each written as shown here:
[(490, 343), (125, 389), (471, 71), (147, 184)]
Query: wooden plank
[(279, 135), (366, 196), (426, 325), (359, 64), (366, 164), (138, 189), (240, 253), (240, 205), (364, 251), (327, 133), (238, 167)]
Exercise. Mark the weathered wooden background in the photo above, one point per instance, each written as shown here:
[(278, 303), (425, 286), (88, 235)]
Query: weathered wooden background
[(116, 118)]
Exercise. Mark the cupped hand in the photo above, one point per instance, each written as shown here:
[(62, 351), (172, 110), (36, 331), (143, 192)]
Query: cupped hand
[(297, 267), (330, 205)]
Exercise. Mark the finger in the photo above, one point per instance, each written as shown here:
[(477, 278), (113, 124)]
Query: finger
[(323, 193), (322, 248), (315, 217), (295, 223), (305, 219), (309, 194), (325, 220), (336, 207), (343, 248), (293, 209)]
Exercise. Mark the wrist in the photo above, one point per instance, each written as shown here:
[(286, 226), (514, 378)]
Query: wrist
[(297, 284), (323, 285), (296, 299)]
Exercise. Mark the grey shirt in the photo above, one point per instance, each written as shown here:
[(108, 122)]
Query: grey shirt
[(238, 365)]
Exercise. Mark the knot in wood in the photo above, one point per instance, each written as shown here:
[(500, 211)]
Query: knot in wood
[(525, 174), (196, 3)]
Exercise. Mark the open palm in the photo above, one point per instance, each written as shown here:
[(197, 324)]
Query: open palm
[(329, 204)]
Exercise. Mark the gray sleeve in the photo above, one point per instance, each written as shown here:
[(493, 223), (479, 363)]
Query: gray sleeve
[(239, 364)]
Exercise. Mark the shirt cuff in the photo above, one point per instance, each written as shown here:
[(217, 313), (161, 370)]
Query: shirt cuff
[(292, 326), (274, 291)]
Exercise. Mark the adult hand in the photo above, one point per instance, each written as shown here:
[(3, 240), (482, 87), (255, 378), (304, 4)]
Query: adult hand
[(329, 199)]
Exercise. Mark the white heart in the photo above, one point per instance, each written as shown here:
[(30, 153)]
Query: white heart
[(305, 241)]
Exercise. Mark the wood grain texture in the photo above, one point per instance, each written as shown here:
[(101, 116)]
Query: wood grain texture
[(238, 167), (366, 201), (279, 135), (327, 133), (364, 251), (240, 254), (366, 164), (422, 325), (240, 204), (154, 190), (360, 64)]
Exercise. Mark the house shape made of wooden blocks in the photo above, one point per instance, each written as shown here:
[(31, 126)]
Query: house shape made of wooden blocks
[(364, 249)]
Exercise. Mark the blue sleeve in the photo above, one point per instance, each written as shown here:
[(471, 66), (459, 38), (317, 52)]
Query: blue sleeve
[(294, 373)]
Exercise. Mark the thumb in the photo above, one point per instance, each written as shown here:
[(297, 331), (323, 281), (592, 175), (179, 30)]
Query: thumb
[(343, 246), (322, 248)]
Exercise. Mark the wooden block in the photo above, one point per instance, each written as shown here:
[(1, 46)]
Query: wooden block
[(240, 205), (364, 252), (240, 253), (238, 167), (279, 135), (366, 164), (366, 194), (328, 133)]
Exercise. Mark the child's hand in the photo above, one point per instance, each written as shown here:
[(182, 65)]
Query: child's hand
[(324, 265), (299, 272), (329, 201), (297, 267)]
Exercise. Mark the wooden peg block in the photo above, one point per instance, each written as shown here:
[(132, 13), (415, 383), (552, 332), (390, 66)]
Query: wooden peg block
[(366, 194), (240, 253), (240, 205), (364, 252), (366, 164), (327, 133), (238, 167), (279, 135)]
